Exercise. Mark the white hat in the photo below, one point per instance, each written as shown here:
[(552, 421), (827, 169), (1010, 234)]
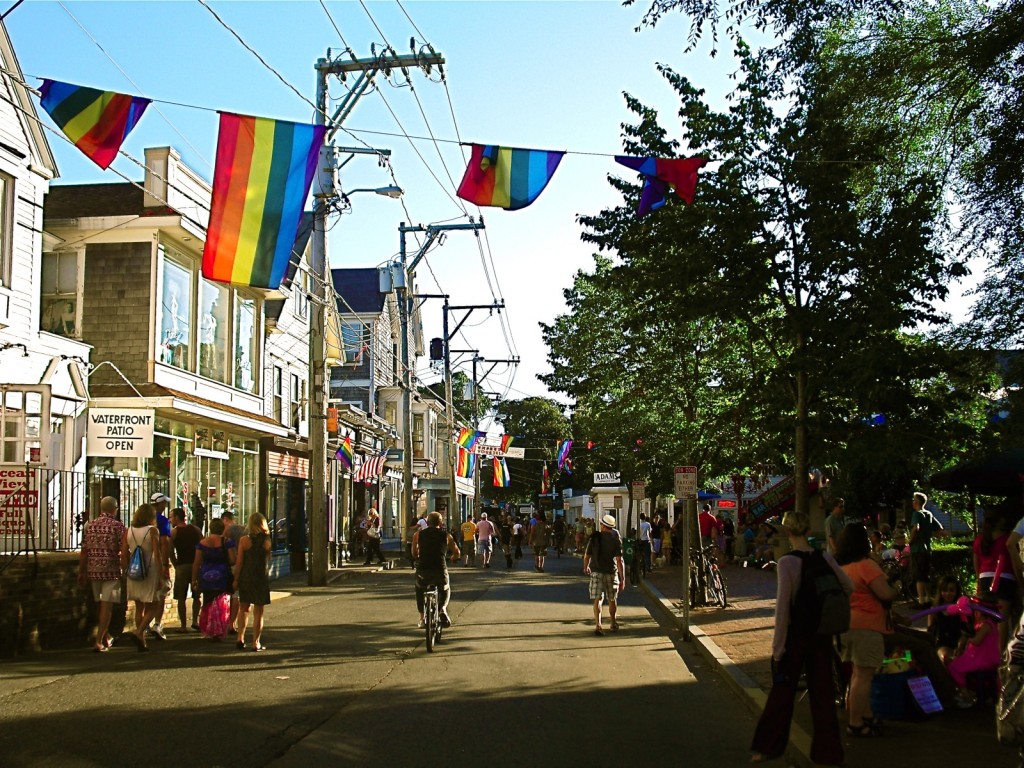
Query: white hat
[(156, 498), (608, 520)]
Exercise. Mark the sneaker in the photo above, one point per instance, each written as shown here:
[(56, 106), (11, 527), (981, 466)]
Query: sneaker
[(157, 632)]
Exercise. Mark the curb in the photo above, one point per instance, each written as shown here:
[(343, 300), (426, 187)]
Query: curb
[(749, 692)]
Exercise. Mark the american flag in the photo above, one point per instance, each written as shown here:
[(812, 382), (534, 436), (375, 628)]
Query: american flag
[(371, 468)]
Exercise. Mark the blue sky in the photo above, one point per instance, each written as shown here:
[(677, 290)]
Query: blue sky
[(548, 75)]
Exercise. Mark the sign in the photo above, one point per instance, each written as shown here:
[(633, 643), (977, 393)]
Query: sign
[(395, 455), (923, 691), (607, 478), (493, 451), (726, 504), (686, 482), (638, 490), (119, 432), (565, 504), (16, 501)]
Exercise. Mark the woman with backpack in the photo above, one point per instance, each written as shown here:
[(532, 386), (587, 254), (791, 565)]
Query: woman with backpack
[(798, 647)]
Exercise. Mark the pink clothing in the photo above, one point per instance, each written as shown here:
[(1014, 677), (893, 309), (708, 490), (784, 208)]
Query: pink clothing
[(985, 655), (485, 530), (988, 564), (213, 618), (708, 523)]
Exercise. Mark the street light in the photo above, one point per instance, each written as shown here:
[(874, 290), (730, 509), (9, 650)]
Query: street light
[(390, 191)]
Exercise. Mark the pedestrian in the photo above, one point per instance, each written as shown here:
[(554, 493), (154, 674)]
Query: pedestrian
[(485, 532), (184, 538), (100, 566), (505, 536), (253, 581), (796, 648), (373, 534), (602, 562), (644, 543), (468, 541), (923, 526), (517, 538), (145, 592), (409, 533), (558, 532), (994, 571), (233, 531), (161, 502), (432, 546), (728, 538), (581, 532), (538, 539), (215, 558)]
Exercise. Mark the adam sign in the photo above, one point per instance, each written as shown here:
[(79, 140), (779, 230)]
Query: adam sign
[(120, 432)]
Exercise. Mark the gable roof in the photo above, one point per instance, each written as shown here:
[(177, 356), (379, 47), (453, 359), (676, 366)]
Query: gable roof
[(25, 107), (360, 289)]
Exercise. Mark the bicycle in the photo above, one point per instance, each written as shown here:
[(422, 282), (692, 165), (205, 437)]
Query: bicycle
[(706, 579), (432, 617)]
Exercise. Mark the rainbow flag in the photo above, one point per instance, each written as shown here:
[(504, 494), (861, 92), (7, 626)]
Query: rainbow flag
[(344, 454), (260, 183), (662, 175), (97, 122), (506, 441), (505, 177), (468, 438), (467, 463), (545, 483), (501, 476), (563, 452)]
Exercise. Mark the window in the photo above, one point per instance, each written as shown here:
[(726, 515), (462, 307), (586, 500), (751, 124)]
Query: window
[(246, 343), (23, 411), (391, 413), (6, 227), (278, 394), (417, 435), (300, 291), (214, 299), (59, 306), (395, 360), (174, 313), (352, 341), (298, 401)]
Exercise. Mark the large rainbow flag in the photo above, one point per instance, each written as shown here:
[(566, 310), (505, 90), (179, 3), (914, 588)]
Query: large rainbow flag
[(466, 463), (563, 452), (501, 476), (97, 122), (505, 177), (260, 183)]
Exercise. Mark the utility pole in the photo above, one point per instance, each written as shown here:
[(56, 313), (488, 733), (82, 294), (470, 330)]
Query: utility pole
[(453, 462), (318, 371), (407, 270)]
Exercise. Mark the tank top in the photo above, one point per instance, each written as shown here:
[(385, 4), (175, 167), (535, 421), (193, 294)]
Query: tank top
[(433, 549)]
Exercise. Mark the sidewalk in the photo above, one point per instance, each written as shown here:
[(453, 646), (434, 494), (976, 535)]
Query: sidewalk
[(738, 641)]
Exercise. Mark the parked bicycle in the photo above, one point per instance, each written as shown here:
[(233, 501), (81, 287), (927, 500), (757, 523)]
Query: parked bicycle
[(707, 586), (432, 617)]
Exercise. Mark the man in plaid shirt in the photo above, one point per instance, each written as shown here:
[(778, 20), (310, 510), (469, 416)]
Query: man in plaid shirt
[(100, 565)]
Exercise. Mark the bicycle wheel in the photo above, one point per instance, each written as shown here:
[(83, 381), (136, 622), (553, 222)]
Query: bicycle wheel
[(717, 587), (431, 620), (693, 589)]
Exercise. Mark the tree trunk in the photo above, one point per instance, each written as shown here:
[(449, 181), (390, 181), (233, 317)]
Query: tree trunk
[(801, 501)]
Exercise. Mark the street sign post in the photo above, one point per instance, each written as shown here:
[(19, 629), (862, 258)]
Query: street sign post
[(686, 483), (638, 490)]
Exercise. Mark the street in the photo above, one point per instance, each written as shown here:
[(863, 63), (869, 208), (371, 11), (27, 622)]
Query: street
[(520, 679)]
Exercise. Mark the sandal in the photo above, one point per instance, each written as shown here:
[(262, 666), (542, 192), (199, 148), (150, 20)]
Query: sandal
[(860, 731), (598, 631), (615, 626), (874, 723)]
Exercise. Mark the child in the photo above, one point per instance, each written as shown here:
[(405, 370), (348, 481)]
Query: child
[(946, 629), (980, 652)]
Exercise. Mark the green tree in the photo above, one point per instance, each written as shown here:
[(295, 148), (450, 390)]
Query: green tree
[(538, 424)]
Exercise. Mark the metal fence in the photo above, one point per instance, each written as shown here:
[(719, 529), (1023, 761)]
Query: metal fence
[(45, 510)]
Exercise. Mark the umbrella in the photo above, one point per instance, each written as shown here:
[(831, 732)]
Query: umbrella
[(998, 475), (704, 495)]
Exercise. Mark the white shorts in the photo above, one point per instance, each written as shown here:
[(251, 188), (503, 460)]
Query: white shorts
[(107, 591)]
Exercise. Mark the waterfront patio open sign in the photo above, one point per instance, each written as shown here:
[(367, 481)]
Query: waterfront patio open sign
[(123, 432)]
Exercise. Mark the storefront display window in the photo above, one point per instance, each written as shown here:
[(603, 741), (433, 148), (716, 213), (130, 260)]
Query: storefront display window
[(174, 313), (246, 344), (213, 331)]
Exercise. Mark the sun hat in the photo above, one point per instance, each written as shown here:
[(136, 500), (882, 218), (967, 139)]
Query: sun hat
[(608, 520)]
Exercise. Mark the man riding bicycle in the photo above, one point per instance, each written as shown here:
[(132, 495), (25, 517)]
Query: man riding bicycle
[(430, 549)]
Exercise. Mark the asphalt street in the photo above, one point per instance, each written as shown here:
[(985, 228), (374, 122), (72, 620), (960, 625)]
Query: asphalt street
[(520, 679)]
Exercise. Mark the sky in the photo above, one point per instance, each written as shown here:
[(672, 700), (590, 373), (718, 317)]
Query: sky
[(545, 75)]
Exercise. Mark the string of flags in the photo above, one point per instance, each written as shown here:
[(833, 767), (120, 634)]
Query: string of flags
[(264, 169)]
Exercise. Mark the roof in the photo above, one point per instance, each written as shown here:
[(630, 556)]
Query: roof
[(360, 289), (75, 201)]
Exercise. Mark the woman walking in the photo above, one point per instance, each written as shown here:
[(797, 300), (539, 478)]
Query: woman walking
[(253, 579), (797, 648), (215, 556), (145, 592)]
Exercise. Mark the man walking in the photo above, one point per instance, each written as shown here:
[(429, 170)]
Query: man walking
[(100, 565), (184, 538), (160, 502), (602, 562), (485, 532), (468, 545), (645, 541)]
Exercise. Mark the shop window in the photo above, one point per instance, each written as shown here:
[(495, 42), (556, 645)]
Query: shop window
[(213, 331), (174, 313), (59, 288), (246, 343)]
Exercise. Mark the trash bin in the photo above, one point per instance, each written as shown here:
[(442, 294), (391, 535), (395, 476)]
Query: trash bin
[(628, 547)]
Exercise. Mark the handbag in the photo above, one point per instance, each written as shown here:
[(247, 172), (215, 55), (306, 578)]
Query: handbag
[(137, 569)]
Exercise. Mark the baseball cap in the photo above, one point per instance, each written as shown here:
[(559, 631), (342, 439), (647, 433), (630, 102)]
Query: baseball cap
[(608, 520), (158, 497)]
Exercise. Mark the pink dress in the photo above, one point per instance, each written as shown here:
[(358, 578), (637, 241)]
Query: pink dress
[(976, 658)]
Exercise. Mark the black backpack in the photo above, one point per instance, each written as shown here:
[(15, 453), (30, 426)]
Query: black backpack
[(822, 606)]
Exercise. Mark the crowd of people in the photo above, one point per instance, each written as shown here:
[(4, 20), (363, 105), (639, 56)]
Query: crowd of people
[(226, 572)]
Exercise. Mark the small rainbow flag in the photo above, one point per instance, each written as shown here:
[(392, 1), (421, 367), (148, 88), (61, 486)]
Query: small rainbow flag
[(344, 454), (506, 441), (501, 476), (97, 122), (545, 483), (563, 452), (467, 463), (661, 175), (505, 177), (469, 438), (260, 183)]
